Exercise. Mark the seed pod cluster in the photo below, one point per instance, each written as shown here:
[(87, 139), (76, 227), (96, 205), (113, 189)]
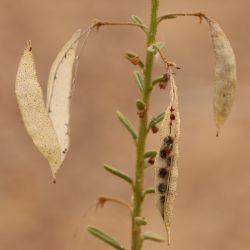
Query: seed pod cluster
[(48, 125), (166, 171), (225, 74)]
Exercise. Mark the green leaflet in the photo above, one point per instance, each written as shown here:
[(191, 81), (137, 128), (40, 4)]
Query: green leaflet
[(139, 80), (153, 236), (118, 173), (138, 20), (149, 154), (105, 237), (150, 190), (156, 120), (128, 125)]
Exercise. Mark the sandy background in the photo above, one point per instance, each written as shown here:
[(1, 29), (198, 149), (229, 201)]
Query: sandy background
[(213, 205)]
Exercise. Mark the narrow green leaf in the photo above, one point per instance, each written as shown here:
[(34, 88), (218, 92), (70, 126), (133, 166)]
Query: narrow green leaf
[(130, 54), (139, 80), (153, 236), (140, 221), (151, 153), (105, 237), (150, 190), (138, 20), (118, 173), (157, 80), (156, 119), (125, 121)]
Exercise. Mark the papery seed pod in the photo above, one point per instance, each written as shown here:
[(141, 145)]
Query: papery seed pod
[(59, 90), (35, 116), (225, 74), (166, 171)]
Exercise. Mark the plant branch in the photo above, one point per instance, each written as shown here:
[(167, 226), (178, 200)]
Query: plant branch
[(200, 15), (99, 23), (139, 175)]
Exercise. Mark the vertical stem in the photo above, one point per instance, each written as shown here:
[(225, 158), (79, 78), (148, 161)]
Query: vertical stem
[(139, 175)]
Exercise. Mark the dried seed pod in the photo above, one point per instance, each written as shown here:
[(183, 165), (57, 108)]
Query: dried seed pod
[(59, 90), (35, 116), (225, 74), (166, 171)]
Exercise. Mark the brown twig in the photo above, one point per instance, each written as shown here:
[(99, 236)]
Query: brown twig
[(99, 23), (103, 199), (200, 15)]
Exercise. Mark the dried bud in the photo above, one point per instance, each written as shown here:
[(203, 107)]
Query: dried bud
[(151, 160), (132, 57), (141, 113), (164, 82), (155, 129)]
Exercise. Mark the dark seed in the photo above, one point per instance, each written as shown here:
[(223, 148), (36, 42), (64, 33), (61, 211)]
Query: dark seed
[(162, 188), (163, 154), (155, 129), (162, 199), (163, 172), (166, 77), (172, 117), (168, 140), (151, 160)]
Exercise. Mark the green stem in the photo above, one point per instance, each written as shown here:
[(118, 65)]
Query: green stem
[(139, 175)]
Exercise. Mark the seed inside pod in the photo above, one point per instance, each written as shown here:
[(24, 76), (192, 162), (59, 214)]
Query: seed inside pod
[(168, 140), (163, 172), (167, 158), (162, 188), (172, 117), (163, 154)]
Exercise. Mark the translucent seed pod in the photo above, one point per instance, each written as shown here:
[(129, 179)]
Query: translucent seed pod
[(166, 171), (225, 74), (35, 116), (59, 90)]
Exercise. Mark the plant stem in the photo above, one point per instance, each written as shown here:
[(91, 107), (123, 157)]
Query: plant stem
[(139, 175)]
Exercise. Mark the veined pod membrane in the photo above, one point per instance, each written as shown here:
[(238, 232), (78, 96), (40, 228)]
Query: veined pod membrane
[(33, 110), (166, 170), (48, 125), (225, 74), (59, 90)]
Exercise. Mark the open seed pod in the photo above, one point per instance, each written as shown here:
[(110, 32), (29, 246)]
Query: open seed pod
[(166, 170)]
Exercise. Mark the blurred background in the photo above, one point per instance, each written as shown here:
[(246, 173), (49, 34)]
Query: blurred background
[(213, 203)]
